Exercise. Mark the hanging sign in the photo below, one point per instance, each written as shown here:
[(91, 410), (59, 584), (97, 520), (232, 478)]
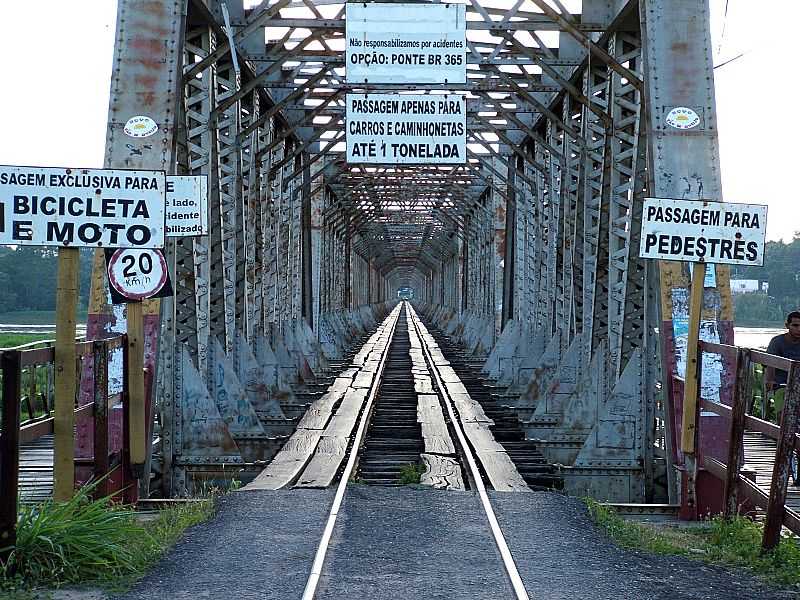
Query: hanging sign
[(406, 43), (137, 274), (695, 231), (42, 206), (187, 205), (406, 129)]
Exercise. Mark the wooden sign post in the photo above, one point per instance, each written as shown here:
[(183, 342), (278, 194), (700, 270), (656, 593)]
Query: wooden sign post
[(65, 375), (106, 208), (690, 388), (137, 427), (699, 232)]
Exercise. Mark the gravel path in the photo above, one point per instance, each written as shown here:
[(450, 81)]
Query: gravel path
[(408, 543), (260, 545), (414, 543), (561, 555)]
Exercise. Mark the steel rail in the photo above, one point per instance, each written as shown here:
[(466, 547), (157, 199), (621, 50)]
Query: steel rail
[(505, 553), (322, 549)]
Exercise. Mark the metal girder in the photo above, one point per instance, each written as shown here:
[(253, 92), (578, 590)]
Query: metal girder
[(531, 22), (539, 227)]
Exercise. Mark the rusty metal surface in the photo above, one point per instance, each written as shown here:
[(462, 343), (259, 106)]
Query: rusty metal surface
[(537, 231)]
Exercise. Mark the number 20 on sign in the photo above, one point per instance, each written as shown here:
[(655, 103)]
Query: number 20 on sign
[(136, 274)]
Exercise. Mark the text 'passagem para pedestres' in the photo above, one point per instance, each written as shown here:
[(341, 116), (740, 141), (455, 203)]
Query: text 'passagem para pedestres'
[(701, 231)]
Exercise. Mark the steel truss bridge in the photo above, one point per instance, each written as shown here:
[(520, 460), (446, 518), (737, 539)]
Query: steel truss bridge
[(527, 253)]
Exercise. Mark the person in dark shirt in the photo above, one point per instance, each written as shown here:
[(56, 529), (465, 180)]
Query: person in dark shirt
[(786, 345)]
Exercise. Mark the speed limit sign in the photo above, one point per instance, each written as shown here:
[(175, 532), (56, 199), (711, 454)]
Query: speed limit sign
[(136, 274)]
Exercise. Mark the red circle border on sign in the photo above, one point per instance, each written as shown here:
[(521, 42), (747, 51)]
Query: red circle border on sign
[(112, 280)]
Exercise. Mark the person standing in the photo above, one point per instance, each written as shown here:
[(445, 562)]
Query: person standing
[(786, 345)]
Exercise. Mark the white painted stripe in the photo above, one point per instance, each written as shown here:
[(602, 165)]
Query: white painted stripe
[(500, 540), (322, 549)]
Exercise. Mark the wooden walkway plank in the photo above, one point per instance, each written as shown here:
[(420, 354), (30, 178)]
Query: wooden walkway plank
[(428, 408), (498, 466), (469, 411), (363, 380), (320, 472), (320, 411), (436, 442), (371, 366), (35, 483), (448, 375), (330, 452), (344, 421), (288, 463), (423, 385), (435, 434), (456, 388), (502, 472), (759, 455), (441, 473), (481, 438)]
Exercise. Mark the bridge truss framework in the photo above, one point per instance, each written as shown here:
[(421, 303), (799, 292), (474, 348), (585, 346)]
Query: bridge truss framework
[(527, 253)]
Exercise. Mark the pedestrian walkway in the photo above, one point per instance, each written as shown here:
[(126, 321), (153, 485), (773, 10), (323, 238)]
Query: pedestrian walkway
[(421, 543)]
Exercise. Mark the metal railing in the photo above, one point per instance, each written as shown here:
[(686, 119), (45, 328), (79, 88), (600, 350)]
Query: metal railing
[(27, 384)]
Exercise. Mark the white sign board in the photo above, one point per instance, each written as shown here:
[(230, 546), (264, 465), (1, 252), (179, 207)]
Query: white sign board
[(137, 274), (406, 43), (42, 206), (406, 129), (187, 205), (694, 230)]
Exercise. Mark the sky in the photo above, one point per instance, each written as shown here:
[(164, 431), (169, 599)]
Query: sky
[(56, 70)]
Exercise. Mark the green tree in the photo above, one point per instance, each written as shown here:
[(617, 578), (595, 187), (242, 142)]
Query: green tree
[(29, 276), (756, 309), (8, 296), (781, 271)]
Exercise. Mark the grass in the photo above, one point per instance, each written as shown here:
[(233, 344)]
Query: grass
[(91, 542), (733, 544), (410, 474), (36, 317), (10, 340)]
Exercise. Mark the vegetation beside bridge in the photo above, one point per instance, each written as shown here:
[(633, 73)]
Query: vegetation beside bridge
[(735, 544)]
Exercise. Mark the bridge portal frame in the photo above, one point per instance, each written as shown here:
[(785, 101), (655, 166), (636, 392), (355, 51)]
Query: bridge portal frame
[(527, 251)]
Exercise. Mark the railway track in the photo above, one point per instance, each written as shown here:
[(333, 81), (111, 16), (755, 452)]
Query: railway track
[(413, 410), (394, 438), (525, 454), (403, 401)]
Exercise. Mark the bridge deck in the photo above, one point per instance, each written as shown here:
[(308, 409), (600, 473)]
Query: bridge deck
[(759, 454), (36, 469)]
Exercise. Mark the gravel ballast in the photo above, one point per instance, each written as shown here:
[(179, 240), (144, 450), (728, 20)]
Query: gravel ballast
[(414, 542), (562, 555), (259, 545)]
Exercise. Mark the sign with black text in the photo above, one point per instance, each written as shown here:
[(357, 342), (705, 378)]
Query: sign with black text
[(137, 274), (42, 206), (187, 205), (406, 129), (696, 230), (406, 43)]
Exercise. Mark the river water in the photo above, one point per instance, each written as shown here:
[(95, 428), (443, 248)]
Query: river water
[(754, 337)]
